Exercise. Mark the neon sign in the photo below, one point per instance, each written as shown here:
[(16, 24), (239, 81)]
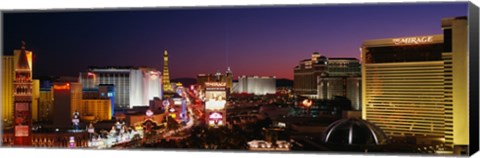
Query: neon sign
[(413, 40), (215, 116), (215, 84), (62, 87)]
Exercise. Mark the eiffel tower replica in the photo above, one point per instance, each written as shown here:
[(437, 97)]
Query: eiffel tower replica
[(167, 87)]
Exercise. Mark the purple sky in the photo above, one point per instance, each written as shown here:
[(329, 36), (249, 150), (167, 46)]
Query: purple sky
[(252, 41)]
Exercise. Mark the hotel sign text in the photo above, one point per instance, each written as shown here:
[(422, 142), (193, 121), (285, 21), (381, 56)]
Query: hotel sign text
[(413, 40)]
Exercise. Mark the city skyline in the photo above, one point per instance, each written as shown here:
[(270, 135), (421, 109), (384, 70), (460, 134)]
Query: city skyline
[(206, 40)]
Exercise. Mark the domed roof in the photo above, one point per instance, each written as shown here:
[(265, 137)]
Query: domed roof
[(354, 131)]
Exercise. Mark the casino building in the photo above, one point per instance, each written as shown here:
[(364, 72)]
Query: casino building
[(418, 86), (258, 85), (133, 86), (324, 78)]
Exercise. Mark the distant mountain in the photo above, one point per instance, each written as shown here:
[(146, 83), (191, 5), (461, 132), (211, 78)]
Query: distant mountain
[(185, 81), (283, 82)]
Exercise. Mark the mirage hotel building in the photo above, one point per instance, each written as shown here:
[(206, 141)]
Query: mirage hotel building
[(418, 86)]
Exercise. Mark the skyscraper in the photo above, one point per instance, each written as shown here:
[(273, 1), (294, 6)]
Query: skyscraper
[(166, 75), (418, 86), (7, 89), (22, 99)]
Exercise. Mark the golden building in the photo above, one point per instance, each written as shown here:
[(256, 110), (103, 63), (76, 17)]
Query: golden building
[(35, 99), (418, 86), (100, 109), (45, 105), (76, 97), (7, 89)]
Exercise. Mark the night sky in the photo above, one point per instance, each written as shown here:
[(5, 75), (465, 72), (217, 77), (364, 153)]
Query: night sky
[(252, 41)]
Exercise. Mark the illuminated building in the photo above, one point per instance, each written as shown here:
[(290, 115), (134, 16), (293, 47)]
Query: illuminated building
[(418, 86), (57, 139), (166, 75), (215, 102), (217, 77), (61, 104), (7, 89), (323, 78), (35, 99), (261, 145), (133, 86), (22, 99), (45, 105), (8, 66), (349, 87), (76, 97), (100, 109), (108, 90), (257, 85), (97, 103)]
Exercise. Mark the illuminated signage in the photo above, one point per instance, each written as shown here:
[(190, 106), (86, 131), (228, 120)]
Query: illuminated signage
[(215, 104), (149, 113), (154, 75), (21, 131), (62, 87), (413, 40), (215, 116), (215, 84), (166, 103)]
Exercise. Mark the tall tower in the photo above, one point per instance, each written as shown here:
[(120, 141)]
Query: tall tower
[(166, 75), (22, 99), (229, 79)]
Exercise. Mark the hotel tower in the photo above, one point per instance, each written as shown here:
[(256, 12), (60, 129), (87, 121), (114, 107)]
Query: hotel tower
[(418, 86)]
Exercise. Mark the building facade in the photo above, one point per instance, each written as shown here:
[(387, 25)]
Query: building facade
[(258, 85), (7, 90), (324, 78), (45, 105), (418, 86), (22, 99), (217, 77), (133, 86)]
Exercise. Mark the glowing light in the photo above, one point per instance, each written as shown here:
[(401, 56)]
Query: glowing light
[(215, 84), (307, 102), (61, 87), (215, 104), (149, 113), (216, 116), (413, 40)]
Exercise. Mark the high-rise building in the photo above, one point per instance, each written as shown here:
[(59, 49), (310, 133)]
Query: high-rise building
[(217, 77), (62, 109), (45, 105), (258, 85), (324, 78), (76, 92), (7, 90), (22, 99), (166, 74), (418, 86), (133, 86), (35, 99)]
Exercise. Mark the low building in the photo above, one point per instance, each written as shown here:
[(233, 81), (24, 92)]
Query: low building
[(258, 85)]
